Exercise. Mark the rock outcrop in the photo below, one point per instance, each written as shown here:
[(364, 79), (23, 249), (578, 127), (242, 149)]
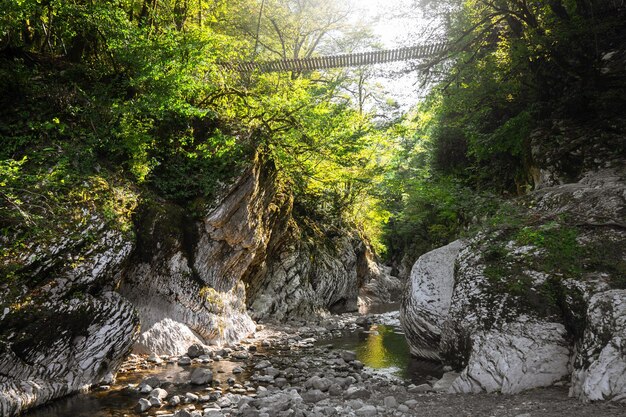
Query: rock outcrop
[(62, 329), (529, 304), (600, 361), (515, 358), (305, 277), (191, 280)]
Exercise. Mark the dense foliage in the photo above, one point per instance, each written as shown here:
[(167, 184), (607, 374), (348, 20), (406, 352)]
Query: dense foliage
[(111, 101), (107, 102), (518, 66)]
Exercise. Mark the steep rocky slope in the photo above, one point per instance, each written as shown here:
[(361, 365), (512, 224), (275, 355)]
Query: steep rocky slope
[(535, 301), (82, 302)]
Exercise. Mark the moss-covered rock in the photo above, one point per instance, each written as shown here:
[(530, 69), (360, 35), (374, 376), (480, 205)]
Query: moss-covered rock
[(553, 267)]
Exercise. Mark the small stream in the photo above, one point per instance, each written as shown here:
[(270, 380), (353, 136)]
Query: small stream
[(118, 402), (380, 346)]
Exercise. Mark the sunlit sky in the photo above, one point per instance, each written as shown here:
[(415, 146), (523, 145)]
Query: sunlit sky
[(392, 22), (396, 23)]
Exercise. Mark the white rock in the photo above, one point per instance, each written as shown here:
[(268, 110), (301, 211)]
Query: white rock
[(600, 372), (430, 294), (518, 357)]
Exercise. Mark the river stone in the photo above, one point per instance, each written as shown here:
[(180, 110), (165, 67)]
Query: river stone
[(174, 401), (445, 382), (271, 371), (152, 381), (155, 401), (196, 350), (390, 402), (322, 384), (517, 357), (201, 376), (427, 304), (143, 405), (367, 410), (353, 393), (335, 390), (348, 356), (153, 358), (240, 355), (313, 396), (191, 397), (184, 361), (262, 365), (355, 404), (159, 393)]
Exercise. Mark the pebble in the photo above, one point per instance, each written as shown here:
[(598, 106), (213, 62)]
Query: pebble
[(357, 392), (159, 393), (155, 359), (348, 356), (196, 350), (262, 365), (191, 397), (184, 361), (367, 410), (155, 401), (390, 402), (313, 396)]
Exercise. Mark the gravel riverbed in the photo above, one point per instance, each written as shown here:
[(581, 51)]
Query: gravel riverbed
[(286, 370)]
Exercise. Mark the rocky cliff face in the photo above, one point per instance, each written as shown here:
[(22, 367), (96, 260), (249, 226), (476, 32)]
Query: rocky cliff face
[(186, 277), (77, 308), (311, 274), (62, 329), (533, 299)]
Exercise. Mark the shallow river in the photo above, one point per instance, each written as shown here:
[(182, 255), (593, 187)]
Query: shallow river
[(381, 347)]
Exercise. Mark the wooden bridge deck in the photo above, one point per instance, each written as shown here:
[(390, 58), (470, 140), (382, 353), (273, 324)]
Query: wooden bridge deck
[(339, 61)]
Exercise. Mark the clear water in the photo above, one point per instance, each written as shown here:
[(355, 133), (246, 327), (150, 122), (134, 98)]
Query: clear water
[(384, 348), (118, 402)]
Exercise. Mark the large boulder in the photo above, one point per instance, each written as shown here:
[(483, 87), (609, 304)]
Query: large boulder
[(429, 294), (515, 358), (62, 347), (525, 304)]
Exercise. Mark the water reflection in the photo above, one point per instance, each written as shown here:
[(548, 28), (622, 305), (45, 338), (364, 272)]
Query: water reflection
[(384, 348), (118, 402)]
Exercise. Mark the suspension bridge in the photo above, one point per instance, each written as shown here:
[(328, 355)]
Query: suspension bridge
[(341, 60), (423, 51)]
